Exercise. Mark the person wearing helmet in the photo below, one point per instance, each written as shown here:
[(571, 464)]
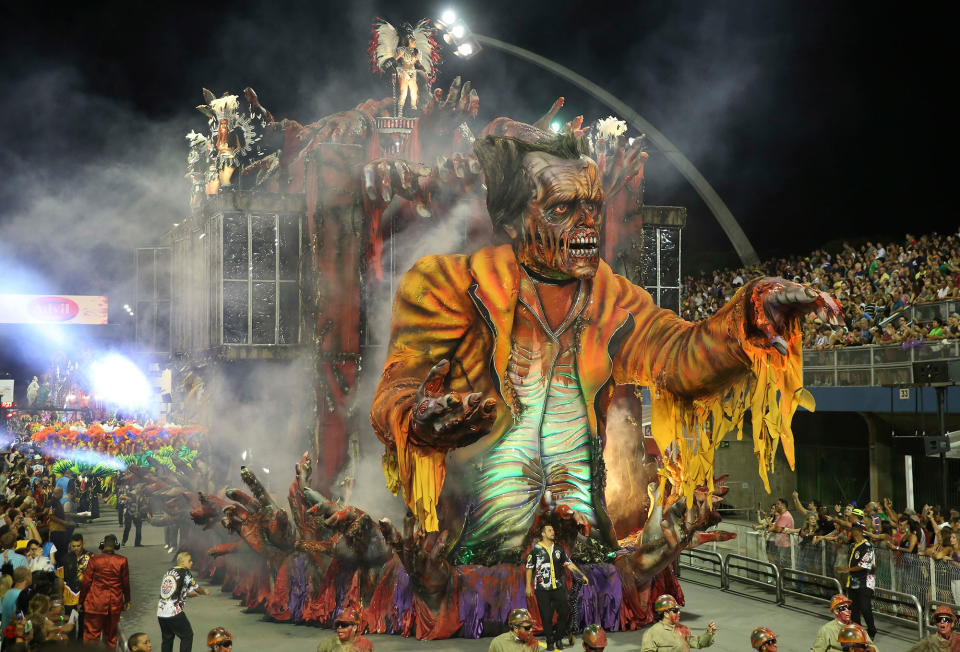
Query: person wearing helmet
[(667, 635), (852, 637), (945, 638), (219, 639), (594, 639), (861, 579), (842, 608), (347, 638), (763, 640), (520, 635)]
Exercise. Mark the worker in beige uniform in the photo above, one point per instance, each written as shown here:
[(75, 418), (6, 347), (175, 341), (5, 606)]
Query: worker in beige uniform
[(841, 608), (945, 639), (667, 635), (519, 638), (763, 640)]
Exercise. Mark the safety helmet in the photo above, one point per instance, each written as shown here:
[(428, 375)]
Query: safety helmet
[(942, 610), (519, 617), (594, 636), (349, 615), (851, 635), (218, 635), (664, 602), (838, 600), (761, 635)]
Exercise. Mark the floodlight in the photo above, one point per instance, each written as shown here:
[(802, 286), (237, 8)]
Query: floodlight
[(119, 381), (448, 16), (465, 50), (458, 30)]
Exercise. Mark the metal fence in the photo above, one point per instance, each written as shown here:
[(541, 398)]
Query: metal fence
[(907, 584), (874, 365)]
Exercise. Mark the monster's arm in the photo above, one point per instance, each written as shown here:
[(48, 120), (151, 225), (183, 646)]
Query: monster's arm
[(717, 367), (431, 313)]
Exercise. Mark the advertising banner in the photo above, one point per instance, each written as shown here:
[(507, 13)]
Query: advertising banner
[(52, 309)]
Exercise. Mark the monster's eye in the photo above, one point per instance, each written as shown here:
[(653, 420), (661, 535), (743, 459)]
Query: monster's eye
[(589, 206), (561, 210)]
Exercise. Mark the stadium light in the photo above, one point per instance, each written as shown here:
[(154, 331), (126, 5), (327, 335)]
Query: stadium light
[(457, 35), (119, 381)]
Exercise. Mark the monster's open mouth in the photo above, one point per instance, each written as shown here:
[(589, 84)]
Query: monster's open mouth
[(584, 246)]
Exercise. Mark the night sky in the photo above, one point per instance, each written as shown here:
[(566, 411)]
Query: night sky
[(813, 120)]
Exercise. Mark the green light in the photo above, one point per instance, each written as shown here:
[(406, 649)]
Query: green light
[(555, 126)]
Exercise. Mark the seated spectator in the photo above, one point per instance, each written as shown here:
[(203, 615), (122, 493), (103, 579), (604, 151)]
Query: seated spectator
[(22, 579), (36, 560), (44, 630), (10, 556)]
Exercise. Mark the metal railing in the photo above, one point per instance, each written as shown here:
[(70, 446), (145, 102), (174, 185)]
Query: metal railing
[(907, 584), (698, 560), (873, 365), (755, 569)]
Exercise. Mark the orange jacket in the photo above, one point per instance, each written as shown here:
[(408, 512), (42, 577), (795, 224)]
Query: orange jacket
[(461, 308)]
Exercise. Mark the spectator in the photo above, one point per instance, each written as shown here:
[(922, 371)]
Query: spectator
[(10, 556), (22, 578), (783, 523), (36, 561), (104, 593), (59, 526), (44, 630), (177, 585), (139, 642)]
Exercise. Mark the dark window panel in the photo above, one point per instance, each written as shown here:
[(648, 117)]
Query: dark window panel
[(670, 299), (648, 262), (289, 314), (145, 275), (162, 342), (146, 324), (235, 312), (263, 247), (264, 313), (163, 274), (669, 257), (235, 259), (289, 237)]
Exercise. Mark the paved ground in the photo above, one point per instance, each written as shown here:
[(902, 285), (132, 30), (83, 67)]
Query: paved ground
[(736, 613)]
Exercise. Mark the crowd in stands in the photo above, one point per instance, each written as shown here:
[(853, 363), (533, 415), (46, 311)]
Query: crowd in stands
[(36, 539), (872, 283), (931, 532)]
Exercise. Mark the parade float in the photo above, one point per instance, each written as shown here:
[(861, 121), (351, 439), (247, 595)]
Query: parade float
[(501, 365)]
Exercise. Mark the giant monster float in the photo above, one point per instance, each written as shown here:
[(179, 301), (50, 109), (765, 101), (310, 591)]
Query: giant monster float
[(500, 368)]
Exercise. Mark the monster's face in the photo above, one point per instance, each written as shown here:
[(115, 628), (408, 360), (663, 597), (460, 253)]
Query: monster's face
[(558, 236)]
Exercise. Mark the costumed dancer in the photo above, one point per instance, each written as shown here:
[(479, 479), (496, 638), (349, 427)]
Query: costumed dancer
[(347, 638), (595, 639), (519, 638), (545, 580), (104, 593), (944, 639), (667, 634), (841, 607), (219, 639), (763, 640), (406, 53)]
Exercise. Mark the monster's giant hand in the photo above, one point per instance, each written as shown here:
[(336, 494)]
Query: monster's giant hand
[(446, 182), (775, 303), (442, 116), (444, 420), (423, 556)]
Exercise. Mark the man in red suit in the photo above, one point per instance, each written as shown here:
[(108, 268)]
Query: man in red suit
[(104, 593)]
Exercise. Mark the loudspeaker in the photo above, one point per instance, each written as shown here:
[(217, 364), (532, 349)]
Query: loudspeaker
[(935, 371)]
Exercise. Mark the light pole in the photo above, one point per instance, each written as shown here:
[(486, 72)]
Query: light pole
[(466, 44)]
